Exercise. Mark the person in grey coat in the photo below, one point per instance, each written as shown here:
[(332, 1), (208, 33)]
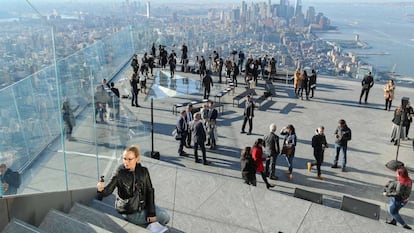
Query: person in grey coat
[(273, 150), (199, 137)]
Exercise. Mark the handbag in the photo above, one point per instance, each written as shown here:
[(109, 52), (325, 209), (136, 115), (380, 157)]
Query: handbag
[(176, 134), (287, 150), (132, 204), (128, 206)]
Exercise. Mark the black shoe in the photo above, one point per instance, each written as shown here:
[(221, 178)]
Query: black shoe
[(392, 222), (392, 140), (137, 105), (198, 160), (208, 144), (206, 163), (396, 142), (334, 166), (268, 186), (343, 169), (273, 177), (242, 131), (183, 154), (249, 133), (407, 227), (133, 105)]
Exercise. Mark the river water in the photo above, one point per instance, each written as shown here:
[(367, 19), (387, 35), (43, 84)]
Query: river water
[(387, 28)]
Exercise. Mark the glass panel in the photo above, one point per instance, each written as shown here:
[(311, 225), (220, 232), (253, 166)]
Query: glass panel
[(61, 127)]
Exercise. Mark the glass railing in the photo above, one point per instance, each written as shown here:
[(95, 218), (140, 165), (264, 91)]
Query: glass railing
[(34, 129)]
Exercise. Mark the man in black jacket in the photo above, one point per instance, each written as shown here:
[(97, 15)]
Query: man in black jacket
[(366, 83), (211, 121), (319, 144), (135, 194), (248, 115), (10, 180), (343, 135), (182, 129), (273, 150)]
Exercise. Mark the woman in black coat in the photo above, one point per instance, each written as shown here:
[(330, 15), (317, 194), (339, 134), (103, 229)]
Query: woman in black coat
[(304, 85), (248, 166), (135, 194)]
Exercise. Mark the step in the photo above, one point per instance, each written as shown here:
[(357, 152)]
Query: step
[(105, 208), (103, 220), (19, 226), (59, 222)]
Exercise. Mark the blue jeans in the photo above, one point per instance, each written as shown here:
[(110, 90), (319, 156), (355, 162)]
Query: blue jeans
[(338, 149), (395, 206), (289, 160), (140, 218)]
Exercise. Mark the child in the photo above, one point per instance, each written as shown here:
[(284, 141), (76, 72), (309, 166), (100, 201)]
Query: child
[(248, 166)]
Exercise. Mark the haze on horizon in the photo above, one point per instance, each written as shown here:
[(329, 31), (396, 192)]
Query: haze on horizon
[(305, 2)]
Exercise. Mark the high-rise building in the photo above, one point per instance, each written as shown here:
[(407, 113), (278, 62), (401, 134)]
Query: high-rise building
[(269, 9), (243, 11), (235, 15), (148, 10), (298, 7), (310, 15)]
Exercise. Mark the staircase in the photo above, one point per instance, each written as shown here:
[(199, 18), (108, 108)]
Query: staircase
[(87, 215)]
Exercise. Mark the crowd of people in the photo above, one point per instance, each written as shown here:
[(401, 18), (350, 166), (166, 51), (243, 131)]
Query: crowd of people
[(196, 127)]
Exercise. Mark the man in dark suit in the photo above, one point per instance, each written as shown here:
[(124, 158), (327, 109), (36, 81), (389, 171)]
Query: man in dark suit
[(248, 115), (211, 125), (199, 137), (182, 128), (366, 83), (207, 84)]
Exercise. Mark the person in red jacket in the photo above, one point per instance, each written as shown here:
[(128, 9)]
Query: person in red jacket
[(257, 155)]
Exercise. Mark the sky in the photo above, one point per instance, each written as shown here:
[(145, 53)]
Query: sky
[(306, 2)]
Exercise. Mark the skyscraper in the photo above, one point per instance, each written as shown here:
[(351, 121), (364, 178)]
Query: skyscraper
[(298, 7), (148, 10), (269, 9)]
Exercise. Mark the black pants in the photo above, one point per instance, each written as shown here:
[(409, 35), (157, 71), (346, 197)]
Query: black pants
[(134, 98), (220, 71), (203, 151), (188, 139), (366, 92), (306, 92), (182, 143), (265, 179), (318, 161), (206, 93), (235, 80), (388, 102), (250, 119), (312, 90)]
